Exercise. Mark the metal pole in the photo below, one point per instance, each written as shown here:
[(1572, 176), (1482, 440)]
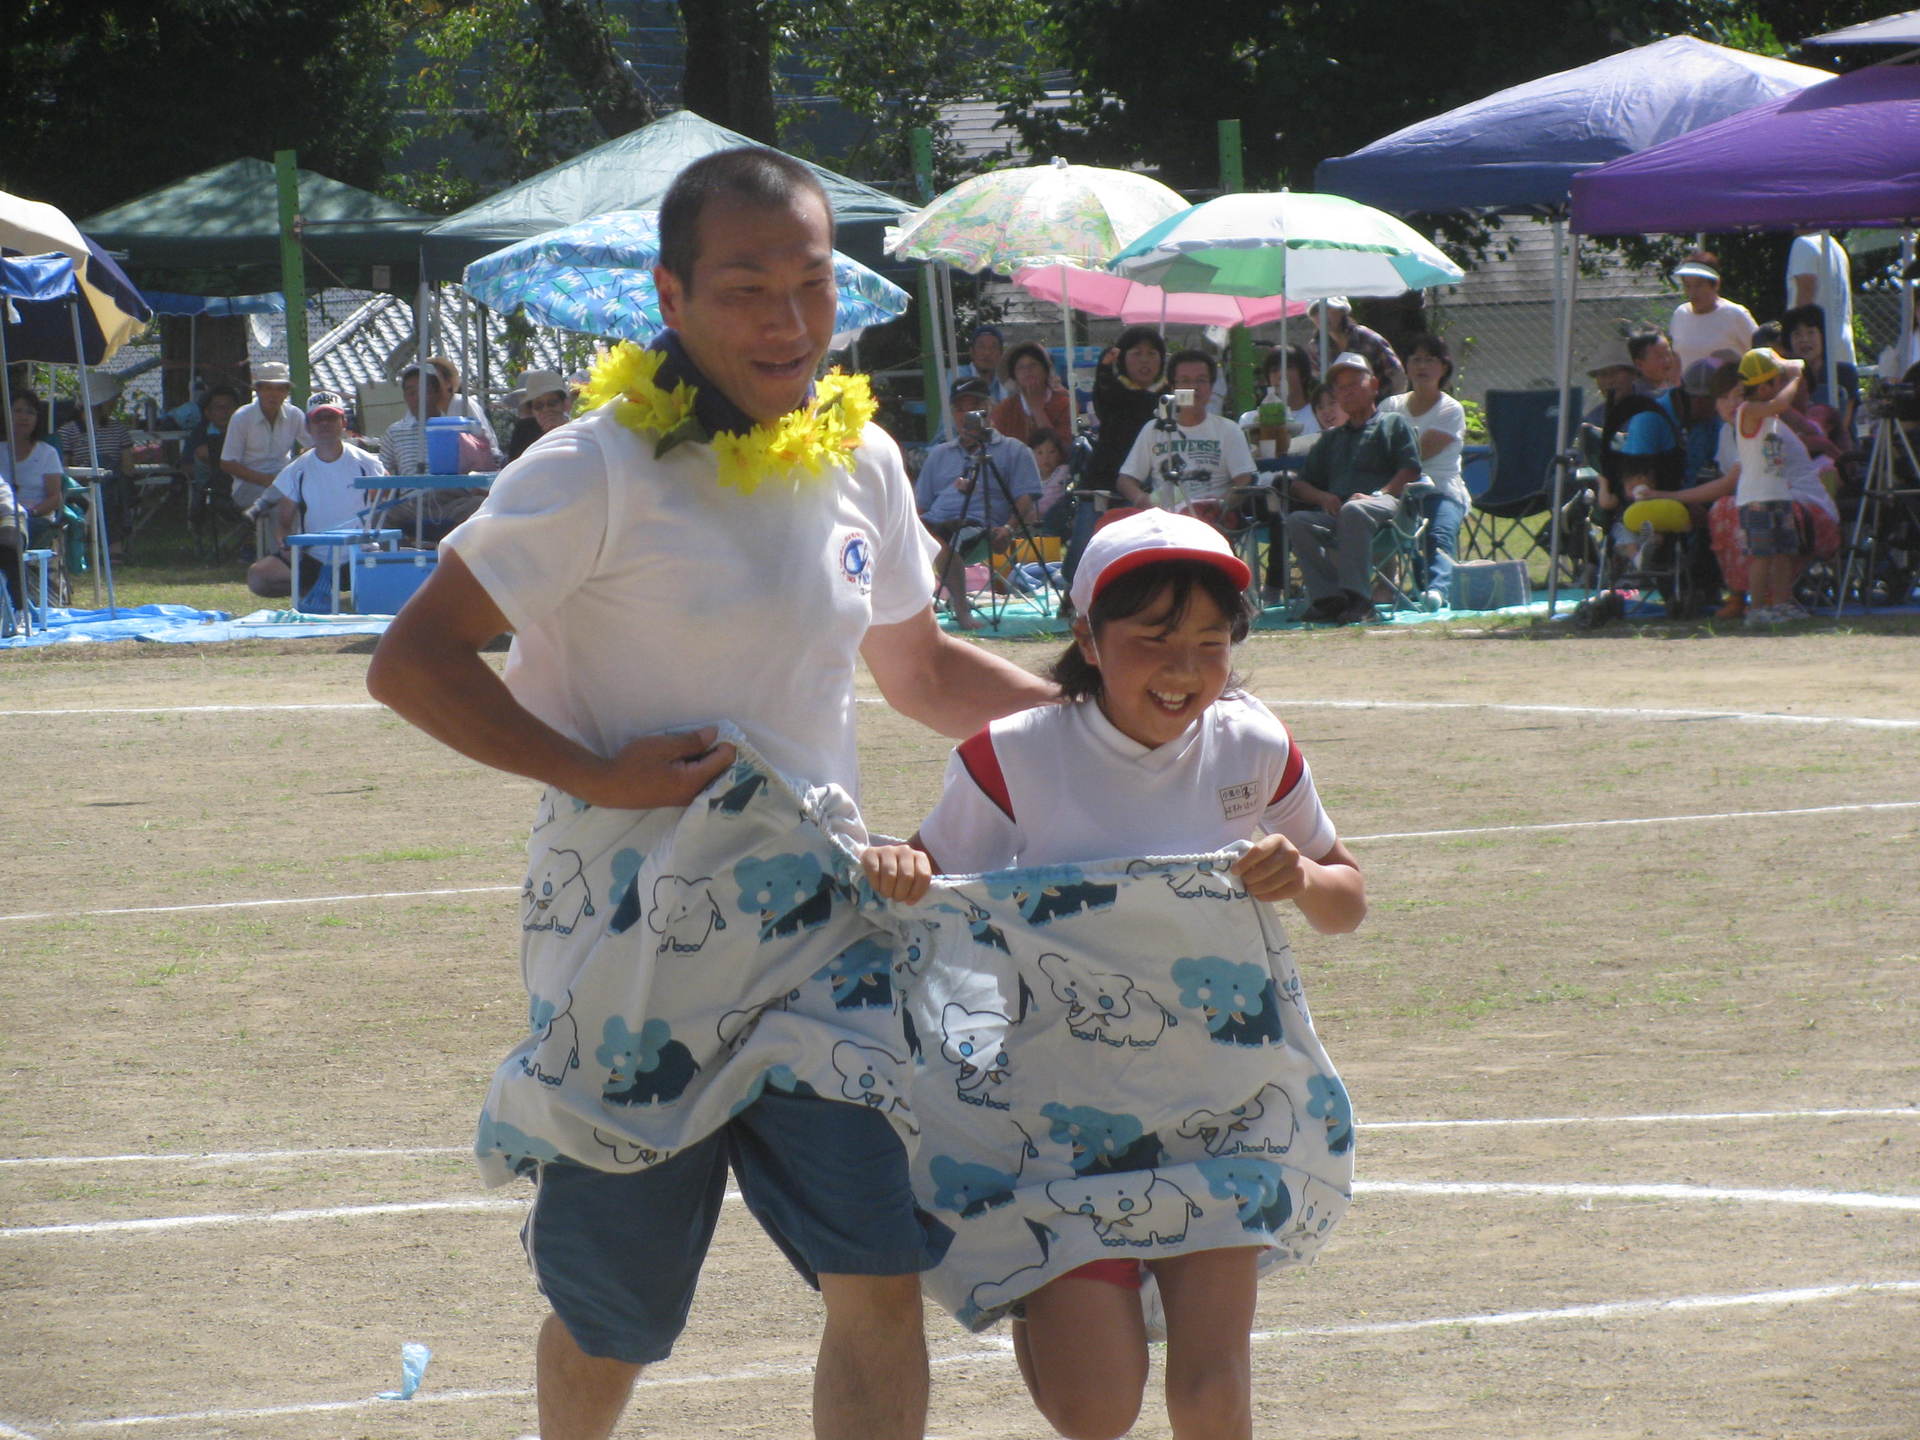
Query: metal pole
[(933, 379), (1239, 343), (1570, 269), (96, 512), (293, 279), (1073, 398), (13, 468)]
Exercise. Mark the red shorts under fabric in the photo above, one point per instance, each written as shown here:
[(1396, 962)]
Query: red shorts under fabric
[(1127, 1274)]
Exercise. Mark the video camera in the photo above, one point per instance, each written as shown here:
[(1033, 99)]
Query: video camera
[(1166, 411), (974, 426)]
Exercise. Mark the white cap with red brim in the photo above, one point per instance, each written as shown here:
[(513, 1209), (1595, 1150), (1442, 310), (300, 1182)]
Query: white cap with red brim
[(1151, 537)]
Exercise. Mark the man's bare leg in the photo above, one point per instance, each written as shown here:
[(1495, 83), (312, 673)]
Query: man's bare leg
[(581, 1395), (871, 1382)]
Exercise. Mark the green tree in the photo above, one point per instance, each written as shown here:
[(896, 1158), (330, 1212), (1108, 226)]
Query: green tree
[(106, 99)]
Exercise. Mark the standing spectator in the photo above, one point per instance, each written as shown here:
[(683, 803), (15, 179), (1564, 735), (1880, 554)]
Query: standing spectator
[(1034, 403), (1127, 384), (315, 492), (1199, 458), (466, 407), (1349, 489), (1774, 467), (260, 438), (984, 349), (1819, 273), (1707, 322), (1440, 422), (545, 402), (1830, 406), (1344, 337)]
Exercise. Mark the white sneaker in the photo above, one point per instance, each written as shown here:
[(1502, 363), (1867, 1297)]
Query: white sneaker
[(1791, 610), (1433, 600)]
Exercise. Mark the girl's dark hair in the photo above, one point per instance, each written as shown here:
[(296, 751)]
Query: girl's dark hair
[(1142, 590), (1431, 344), (1140, 335), (1803, 316), (1024, 350), (20, 392), (1043, 435), (1300, 358)]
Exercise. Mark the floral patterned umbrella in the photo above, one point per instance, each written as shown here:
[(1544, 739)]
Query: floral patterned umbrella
[(1051, 214), (596, 277)]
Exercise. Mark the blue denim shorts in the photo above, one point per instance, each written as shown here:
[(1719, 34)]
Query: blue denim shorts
[(618, 1255), (1771, 528)]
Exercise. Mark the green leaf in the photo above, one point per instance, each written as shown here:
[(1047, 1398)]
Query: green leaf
[(688, 430)]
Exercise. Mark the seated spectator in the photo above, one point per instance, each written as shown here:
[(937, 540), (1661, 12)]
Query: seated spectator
[(313, 493), (1440, 422), (545, 404), (203, 445), (1656, 367), (1327, 414), (963, 492), (467, 407), (984, 348), (33, 468), (1191, 464), (1349, 489), (112, 443), (403, 451), (1345, 337), (1289, 380), (260, 437), (1056, 477), (1833, 411), (1034, 402), (1706, 322), (12, 546), (1642, 442)]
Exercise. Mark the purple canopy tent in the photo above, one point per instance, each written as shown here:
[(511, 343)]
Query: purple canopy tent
[(1842, 153)]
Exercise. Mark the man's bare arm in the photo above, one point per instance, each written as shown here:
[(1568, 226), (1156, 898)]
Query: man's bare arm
[(429, 670), (945, 683)]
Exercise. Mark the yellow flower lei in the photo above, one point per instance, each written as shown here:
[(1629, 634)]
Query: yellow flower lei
[(798, 445)]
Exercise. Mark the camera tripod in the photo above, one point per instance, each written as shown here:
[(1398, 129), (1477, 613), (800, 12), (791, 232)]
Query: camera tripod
[(980, 470), (1884, 544)]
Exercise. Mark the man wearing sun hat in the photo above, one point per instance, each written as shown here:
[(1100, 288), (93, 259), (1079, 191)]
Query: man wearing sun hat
[(261, 436), (1707, 321), (1349, 488)]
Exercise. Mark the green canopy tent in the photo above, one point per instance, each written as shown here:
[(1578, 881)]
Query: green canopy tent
[(632, 172), (218, 233)]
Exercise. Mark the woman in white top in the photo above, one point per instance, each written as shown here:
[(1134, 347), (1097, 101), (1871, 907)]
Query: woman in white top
[(1289, 377), (33, 467), (1441, 423)]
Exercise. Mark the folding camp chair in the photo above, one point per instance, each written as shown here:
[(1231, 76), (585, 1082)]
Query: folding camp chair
[(1522, 426), (1399, 551)]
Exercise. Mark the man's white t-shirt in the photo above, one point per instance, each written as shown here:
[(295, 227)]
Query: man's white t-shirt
[(1076, 789), (1725, 327), (1825, 258), (260, 444), (1213, 454), (325, 490), (644, 597)]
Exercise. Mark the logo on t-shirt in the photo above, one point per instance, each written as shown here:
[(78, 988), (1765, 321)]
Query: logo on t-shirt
[(856, 562), (1238, 800)]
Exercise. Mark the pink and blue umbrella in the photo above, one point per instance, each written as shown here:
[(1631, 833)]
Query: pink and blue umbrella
[(596, 278)]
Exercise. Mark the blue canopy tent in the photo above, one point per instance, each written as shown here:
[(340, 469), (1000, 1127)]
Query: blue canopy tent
[(163, 302), (51, 316), (1517, 151)]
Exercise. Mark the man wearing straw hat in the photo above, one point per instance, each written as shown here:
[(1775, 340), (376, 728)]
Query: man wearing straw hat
[(262, 434)]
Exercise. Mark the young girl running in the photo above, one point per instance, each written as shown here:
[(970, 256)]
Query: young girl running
[(1156, 752)]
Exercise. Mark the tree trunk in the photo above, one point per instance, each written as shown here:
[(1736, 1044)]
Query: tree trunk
[(577, 34), (728, 77)]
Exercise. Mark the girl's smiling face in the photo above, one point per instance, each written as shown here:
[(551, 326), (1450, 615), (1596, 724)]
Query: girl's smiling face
[(1047, 457), (1160, 671)]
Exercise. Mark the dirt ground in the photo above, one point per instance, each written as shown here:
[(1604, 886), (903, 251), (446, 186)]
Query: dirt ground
[(1597, 1193)]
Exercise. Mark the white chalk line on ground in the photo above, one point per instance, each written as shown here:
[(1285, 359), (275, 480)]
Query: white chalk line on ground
[(247, 1157), (1849, 1200), (1719, 815), (998, 1348), (1622, 712)]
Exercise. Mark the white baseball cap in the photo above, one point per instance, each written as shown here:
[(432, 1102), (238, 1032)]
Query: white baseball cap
[(1148, 537), (1349, 360)]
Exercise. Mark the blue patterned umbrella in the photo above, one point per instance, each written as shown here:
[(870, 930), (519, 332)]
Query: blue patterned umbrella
[(596, 277)]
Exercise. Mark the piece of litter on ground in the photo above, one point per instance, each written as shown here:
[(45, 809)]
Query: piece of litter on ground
[(413, 1366)]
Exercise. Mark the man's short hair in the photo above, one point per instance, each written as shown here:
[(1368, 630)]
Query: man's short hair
[(1642, 341), (412, 372), (1191, 357), (747, 174)]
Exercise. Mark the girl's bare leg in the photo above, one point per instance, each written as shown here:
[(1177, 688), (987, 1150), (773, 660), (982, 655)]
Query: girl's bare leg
[(1209, 1299), (1083, 1352)]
